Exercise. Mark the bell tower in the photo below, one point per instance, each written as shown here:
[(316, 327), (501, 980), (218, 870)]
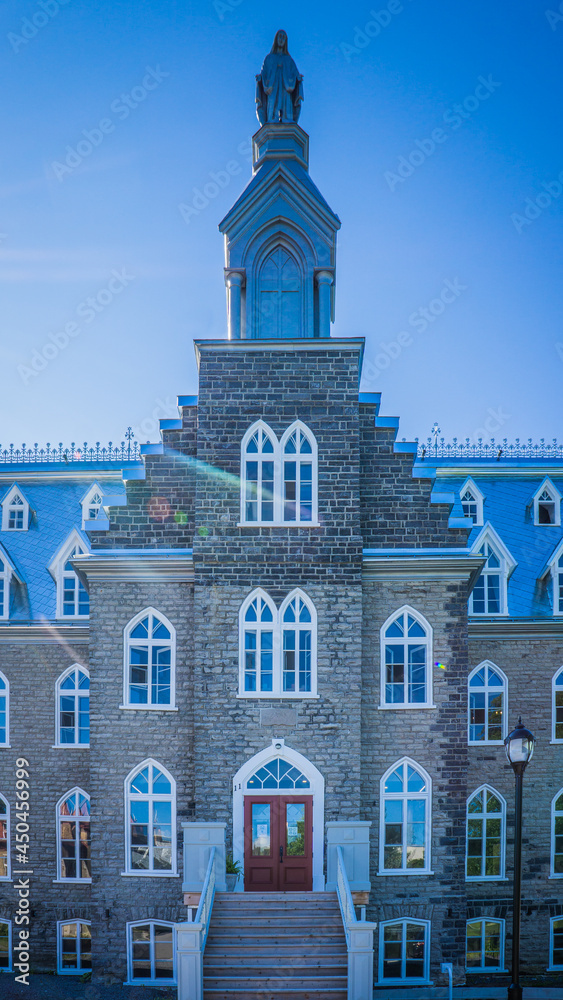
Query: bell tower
[(280, 235)]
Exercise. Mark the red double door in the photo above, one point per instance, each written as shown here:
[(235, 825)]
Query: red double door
[(278, 843)]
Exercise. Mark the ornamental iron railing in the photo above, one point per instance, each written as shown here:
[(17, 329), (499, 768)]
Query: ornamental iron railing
[(496, 450), (126, 451)]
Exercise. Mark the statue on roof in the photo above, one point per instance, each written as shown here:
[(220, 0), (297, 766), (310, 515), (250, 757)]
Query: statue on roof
[(279, 86)]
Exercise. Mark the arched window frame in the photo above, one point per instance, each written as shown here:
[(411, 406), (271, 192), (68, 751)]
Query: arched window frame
[(258, 627), (161, 981), (410, 980), (404, 797), (489, 539), (72, 597), (151, 797), (548, 492), (486, 690), (15, 510), (301, 459), (472, 508), (483, 921), (556, 838), (129, 643), (4, 711), (7, 877), (6, 922), (427, 642), (77, 839), (81, 968), (483, 817), (77, 710), (277, 458), (278, 627), (91, 503), (557, 710), (280, 241), (553, 930)]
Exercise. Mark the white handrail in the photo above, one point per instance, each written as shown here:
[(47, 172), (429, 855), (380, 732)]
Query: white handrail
[(359, 937), (344, 895), (203, 915), (192, 935)]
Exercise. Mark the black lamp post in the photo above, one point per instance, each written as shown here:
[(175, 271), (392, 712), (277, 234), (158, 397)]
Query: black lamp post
[(519, 746)]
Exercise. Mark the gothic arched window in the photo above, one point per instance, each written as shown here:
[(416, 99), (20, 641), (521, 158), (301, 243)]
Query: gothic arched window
[(151, 820), (488, 689), (299, 475), (150, 651), (279, 288), (257, 618), (73, 836), (406, 674), (405, 819), (73, 707), (486, 812), (259, 446)]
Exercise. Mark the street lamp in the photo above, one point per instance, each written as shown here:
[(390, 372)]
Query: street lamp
[(519, 746)]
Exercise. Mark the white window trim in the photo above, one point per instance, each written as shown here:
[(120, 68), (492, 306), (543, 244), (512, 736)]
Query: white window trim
[(487, 878), (64, 881), (411, 981), (487, 968), (501, 673), (6, 920), (552, 872), (552, 569), (471, 485), (60, 970), (507, 566), (278, 458), (8, 876), (86, 502), (6, 743), (277, 653), (150, 982), (6, 577), (558, 673), (57, 744), (56, 569), (551, 967), (427, 797), (556, 499), (149, 873), (127, 642), (7, 503), (428, 642)]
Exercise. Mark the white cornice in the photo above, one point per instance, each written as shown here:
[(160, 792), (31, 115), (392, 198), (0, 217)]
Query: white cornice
[(492, 469), (158, 566), (516, 628), (420, 564), (8, 473), (44, 633)]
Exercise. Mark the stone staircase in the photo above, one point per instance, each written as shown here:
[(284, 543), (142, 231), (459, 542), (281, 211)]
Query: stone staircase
[(275, 946)]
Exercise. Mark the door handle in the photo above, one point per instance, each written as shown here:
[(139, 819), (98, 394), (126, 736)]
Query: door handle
[(281, 855)]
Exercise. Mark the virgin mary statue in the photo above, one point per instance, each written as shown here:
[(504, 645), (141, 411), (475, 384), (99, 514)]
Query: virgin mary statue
[(279, 87)]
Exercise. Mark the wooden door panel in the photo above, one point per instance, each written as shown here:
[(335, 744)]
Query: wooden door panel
[(278, 848)]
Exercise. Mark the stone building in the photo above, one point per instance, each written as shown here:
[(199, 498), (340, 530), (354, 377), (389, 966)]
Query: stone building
[(282, 632)]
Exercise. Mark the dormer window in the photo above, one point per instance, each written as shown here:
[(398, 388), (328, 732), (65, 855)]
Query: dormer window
[(91, 504), (489, 595), (547, 504), (72, 597), (15, 511), (472, 502)]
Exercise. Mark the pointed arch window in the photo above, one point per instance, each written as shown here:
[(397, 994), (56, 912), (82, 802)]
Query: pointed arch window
[(488, 692), (557, 574), (4, 711), (547, 504), (151, 821), (299, 475), (91, 504), (472, 501), (557, 707), (72, 597), (557, 835), (73, 837), (279, 296), (150, 661), (278, 774), (484, 950), (5, 945), (405, 820), (4, 839), (151, 952), (489, 595), (278, 650), (406, 657), (5, 575), (486, 825), (72, 696), (74, 947), (404, 951), (259, 449), (15, 511)]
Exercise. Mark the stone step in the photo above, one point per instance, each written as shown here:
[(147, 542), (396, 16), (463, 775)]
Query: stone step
[(316, 950), (266, 961), (274, 939), (301, 897), (275, 994), (266, 982), (286, 971), (277, 920)]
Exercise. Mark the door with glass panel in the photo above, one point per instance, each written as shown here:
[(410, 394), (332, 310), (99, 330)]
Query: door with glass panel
[(278, 854)]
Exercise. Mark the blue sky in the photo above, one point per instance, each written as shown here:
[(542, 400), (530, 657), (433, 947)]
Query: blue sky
[(173, 85)]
